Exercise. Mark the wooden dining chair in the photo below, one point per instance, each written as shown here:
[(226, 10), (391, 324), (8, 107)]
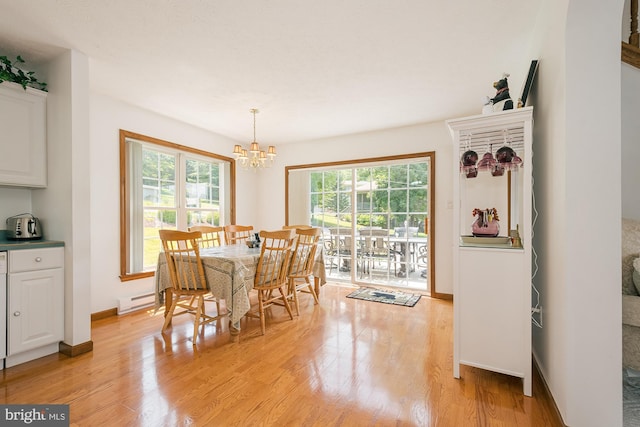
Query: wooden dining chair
[(271, 272), (237, 234), (187, 277), (301, 266), (293, 227), (211, 235)]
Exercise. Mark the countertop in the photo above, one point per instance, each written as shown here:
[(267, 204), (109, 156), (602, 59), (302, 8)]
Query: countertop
[(12, 245)]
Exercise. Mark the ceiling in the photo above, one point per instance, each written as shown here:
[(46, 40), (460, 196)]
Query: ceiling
[(314, 69)]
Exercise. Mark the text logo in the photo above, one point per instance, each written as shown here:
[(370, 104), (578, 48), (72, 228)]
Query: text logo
[(34, 415)]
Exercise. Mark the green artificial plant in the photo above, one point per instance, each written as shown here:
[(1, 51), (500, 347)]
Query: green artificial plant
[(10, 73)]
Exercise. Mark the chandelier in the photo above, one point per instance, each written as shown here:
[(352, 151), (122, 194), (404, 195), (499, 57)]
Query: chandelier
[(254, 158)]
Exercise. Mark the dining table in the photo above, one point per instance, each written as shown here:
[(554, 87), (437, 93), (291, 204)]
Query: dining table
[(229, 272)]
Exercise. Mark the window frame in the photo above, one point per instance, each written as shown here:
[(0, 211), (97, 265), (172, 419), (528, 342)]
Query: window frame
[(125, 250)]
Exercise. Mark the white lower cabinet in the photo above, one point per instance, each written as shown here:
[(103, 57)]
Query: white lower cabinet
[(35, 303), (492, 329)]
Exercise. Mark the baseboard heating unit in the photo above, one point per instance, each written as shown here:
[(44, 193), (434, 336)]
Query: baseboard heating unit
[(136, 302)]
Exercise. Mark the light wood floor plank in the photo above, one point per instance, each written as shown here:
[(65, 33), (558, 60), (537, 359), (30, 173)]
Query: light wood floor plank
[(340, 363)]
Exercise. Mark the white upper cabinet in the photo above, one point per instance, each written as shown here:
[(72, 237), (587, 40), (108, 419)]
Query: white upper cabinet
[(23, 141)]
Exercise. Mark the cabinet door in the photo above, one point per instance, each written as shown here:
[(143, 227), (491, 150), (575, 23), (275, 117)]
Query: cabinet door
[(492, 311), (35, 309), (23, 149)]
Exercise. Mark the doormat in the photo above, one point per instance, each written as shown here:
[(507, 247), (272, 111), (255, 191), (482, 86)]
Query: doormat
[(387, 297)]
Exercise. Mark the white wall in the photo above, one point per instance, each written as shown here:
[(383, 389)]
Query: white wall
[(108, 116), (576, 171), (630, 142), (549, 343), (13, 201), (403, 140), (260, 195), (64, 205), (593, 32)]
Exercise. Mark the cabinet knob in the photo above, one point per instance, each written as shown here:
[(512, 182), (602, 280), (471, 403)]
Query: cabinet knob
[(38, 259), (16, 313)]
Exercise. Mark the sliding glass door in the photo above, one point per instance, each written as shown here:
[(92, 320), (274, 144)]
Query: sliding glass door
[(374, 216), (391, 214)]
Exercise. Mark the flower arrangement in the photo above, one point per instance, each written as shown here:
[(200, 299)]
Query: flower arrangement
[(486, 223), (11, 73), (492, 214)]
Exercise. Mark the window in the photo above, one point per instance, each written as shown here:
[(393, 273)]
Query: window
[(167, 186)]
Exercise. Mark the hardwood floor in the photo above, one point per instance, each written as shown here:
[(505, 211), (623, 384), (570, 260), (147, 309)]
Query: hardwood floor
[(340, 363)]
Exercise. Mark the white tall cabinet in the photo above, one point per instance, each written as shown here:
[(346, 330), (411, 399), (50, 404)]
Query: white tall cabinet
[(492, 276)]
